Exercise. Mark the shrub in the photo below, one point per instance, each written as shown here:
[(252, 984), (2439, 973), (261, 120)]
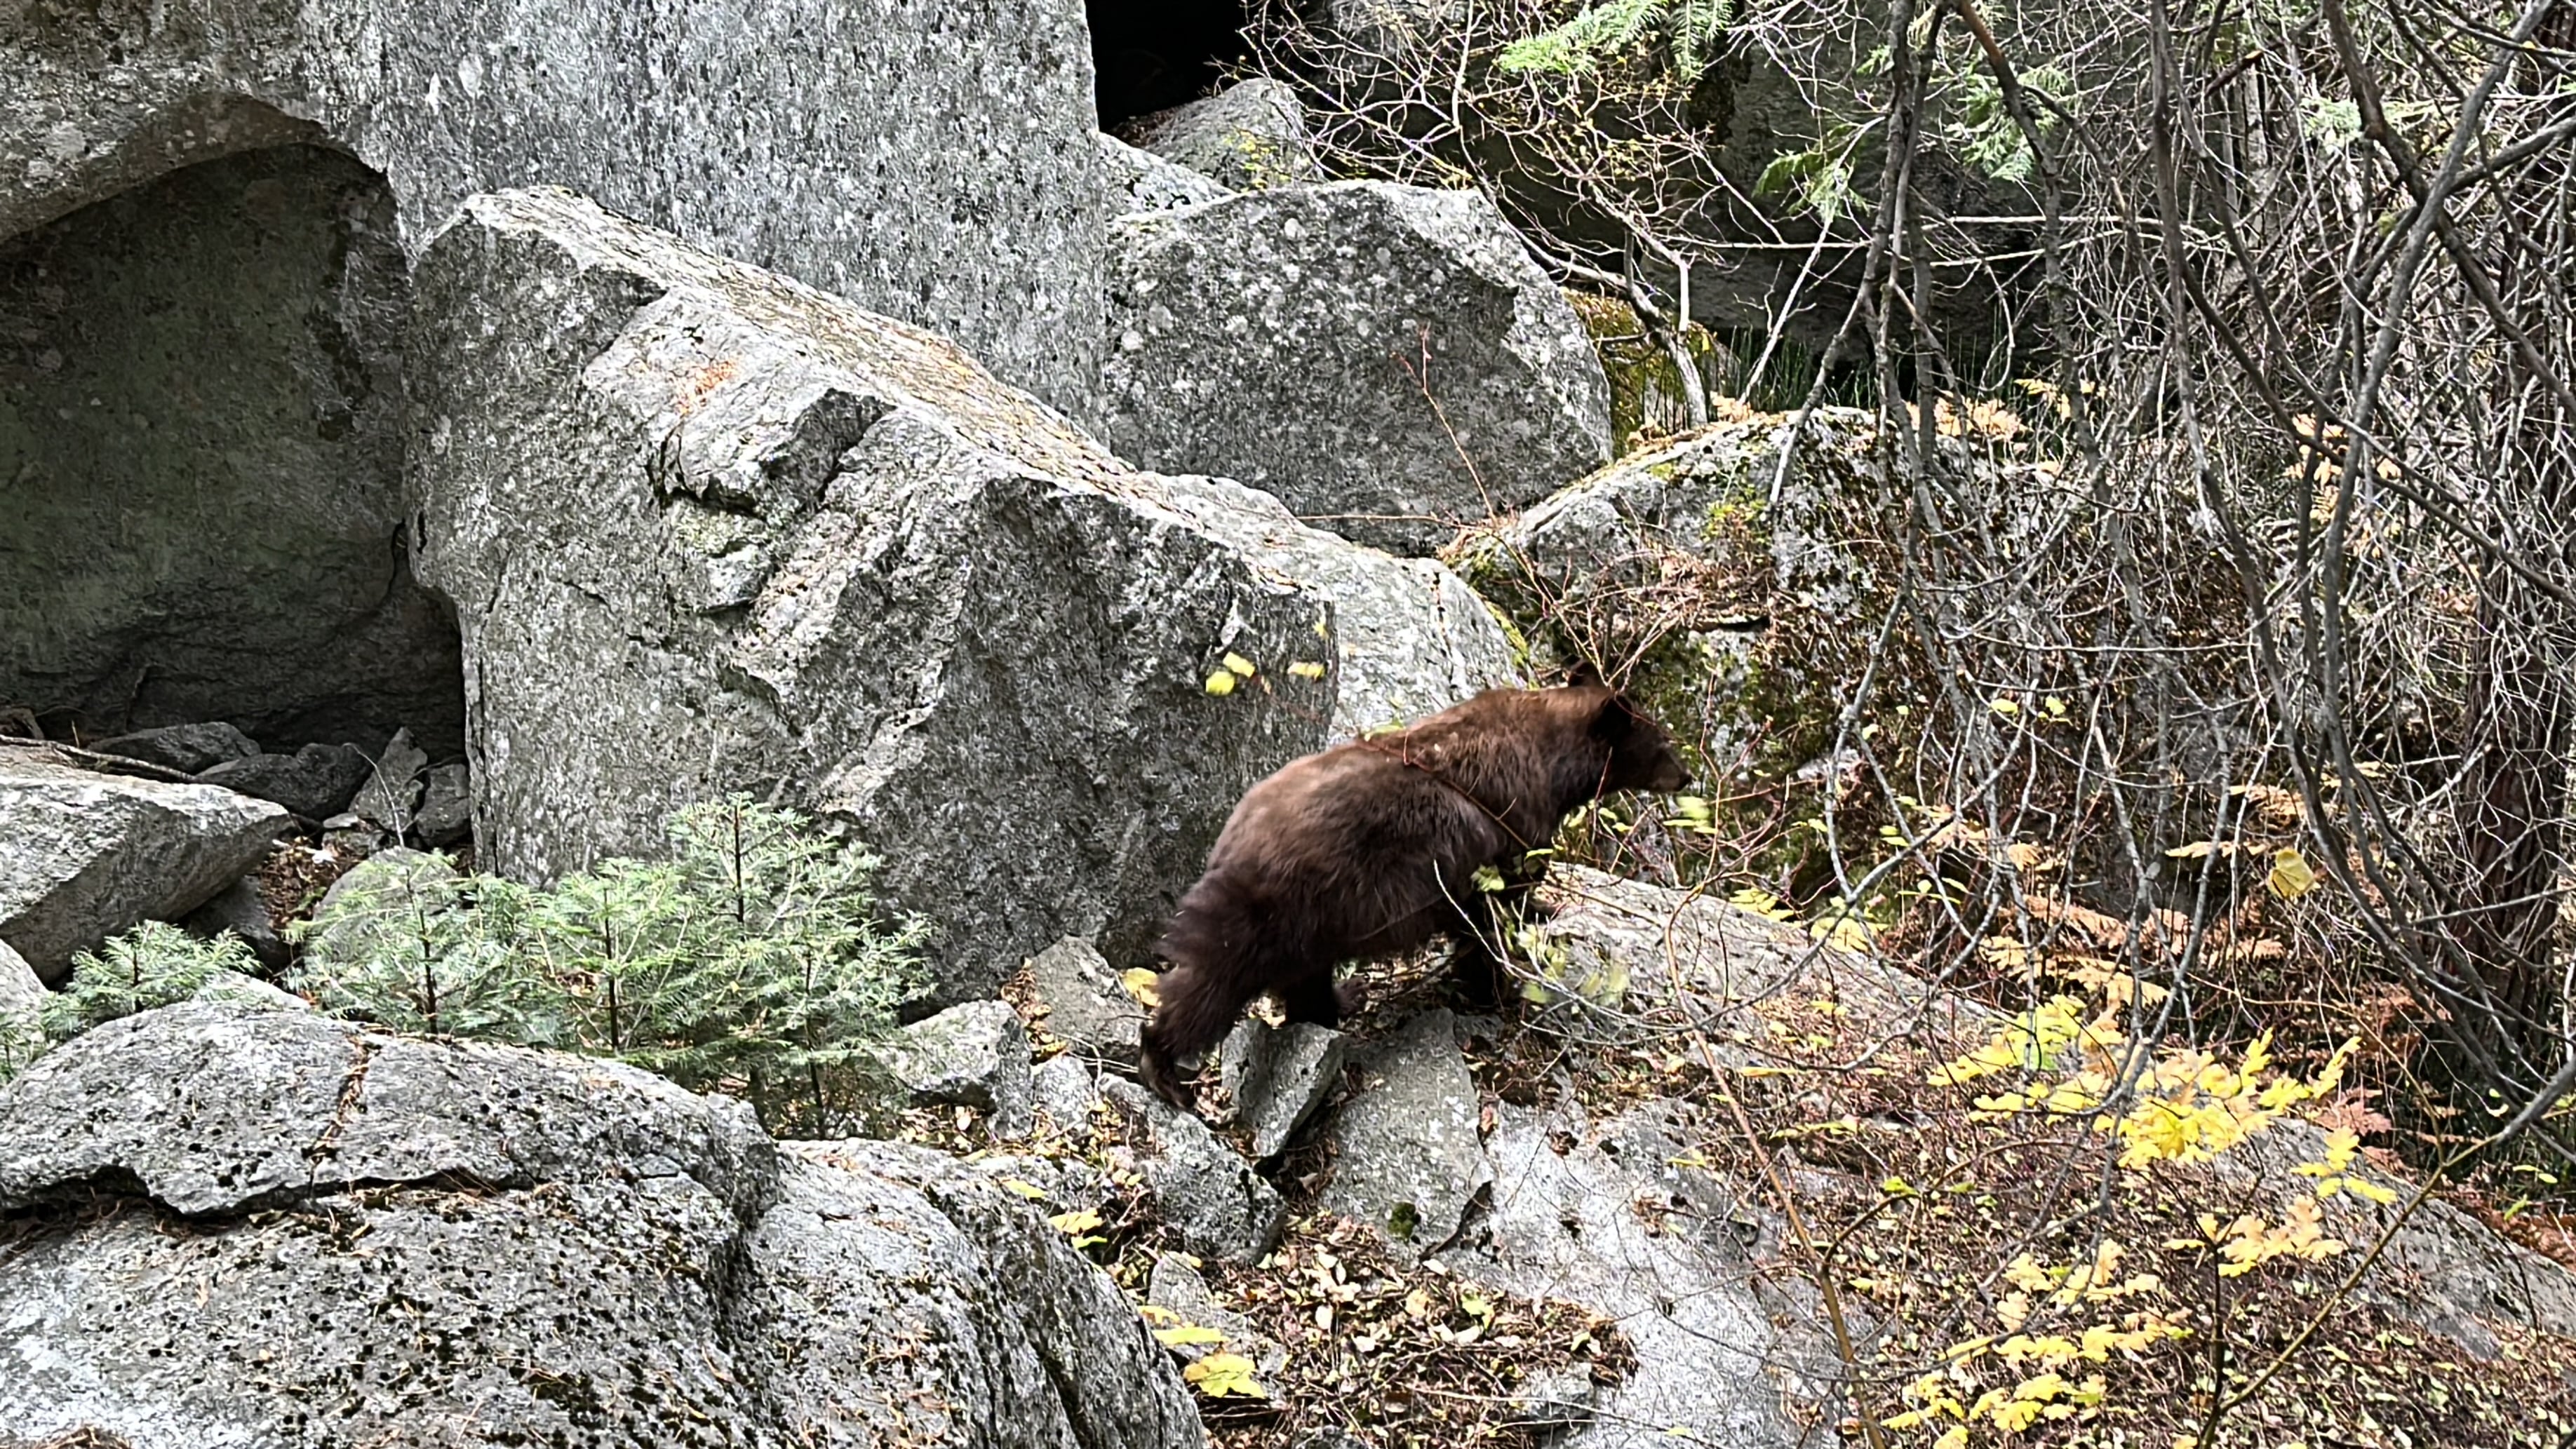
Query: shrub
[(749, 962), (155, 964)]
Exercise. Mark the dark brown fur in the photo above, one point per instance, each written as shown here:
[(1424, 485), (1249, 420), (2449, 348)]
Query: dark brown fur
[(1371, 848)]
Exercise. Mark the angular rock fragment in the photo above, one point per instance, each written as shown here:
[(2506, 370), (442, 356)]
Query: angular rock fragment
[(240, 909), (84, 856), (1408, 1159), (1208, 1194), (392, 793), (1278, 1076), (1142, 181), (1177, 1288), (1248, 136), (972, 1055), (708, 530), (186, 748), (574, 1249), (1386, 359), (1086, 1004), (446, 814), (315, 782)]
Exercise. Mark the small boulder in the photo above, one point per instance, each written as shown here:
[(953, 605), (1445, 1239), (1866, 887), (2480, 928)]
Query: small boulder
[(1143, 181), (315, 782), (1278, 1076), (446, 814), (1387, 359), (396, 888), (393, 790), (1086, 1004), (1208, 1194), (186, 748), (975, 1055), (1065, 1088), (84, 856), (242, 910), (1247, 136), (1408, 1159)]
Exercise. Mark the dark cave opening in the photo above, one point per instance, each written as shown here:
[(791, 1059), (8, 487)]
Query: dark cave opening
[(201, 511), (1151, 55)]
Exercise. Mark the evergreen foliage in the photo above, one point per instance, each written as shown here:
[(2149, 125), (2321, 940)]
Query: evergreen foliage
[(749, 962), (155, 964), (1692, 29)]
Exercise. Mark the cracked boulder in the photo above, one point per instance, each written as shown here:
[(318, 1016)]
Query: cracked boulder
[(1385, 358), (84, 856), (708, 530), (571, 1248), (971, 1055), (1277, 1076), (1207, 1192)]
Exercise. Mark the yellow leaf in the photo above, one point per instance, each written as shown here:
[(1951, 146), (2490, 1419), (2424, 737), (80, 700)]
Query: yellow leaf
[(1237, 664), (1186, 1335), (1220, 684), (1306, 669), (1156, 1313), (2291, 875), (2001, 705), (1221, 1374), (1029, 1190), (1142, 985), (1075, 1223)]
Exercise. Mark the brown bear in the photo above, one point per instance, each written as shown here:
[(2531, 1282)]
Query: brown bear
[(1373, 847)]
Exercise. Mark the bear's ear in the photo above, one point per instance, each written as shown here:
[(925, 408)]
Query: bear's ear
[(1616, 720), (1584, 672)]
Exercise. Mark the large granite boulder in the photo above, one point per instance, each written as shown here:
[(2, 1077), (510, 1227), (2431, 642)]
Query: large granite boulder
[(1247, 136), (325, 1234), (706, 529), (937, 164), (84, 856), (1385, 358)]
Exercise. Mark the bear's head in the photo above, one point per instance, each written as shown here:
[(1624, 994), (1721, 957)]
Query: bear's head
[(1642, 756)]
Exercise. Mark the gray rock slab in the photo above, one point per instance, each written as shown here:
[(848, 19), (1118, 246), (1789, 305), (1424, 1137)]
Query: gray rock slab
[(242, 910), (1247, 136), (1207, 1192), (545, 1249), (1713, 1364), (1410, 638), (1278, 1076), (1385, 358), (315, 782), (1407, 1159), (1086, 1004), (971, 1055), (1065, 1088), (84, 856), (186, 748), (706, 529), (1142, 181), (215, 1109), (934, 164)]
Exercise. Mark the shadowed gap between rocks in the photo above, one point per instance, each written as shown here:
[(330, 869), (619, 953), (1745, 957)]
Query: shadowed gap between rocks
[(1150, 55), (201, 441)]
